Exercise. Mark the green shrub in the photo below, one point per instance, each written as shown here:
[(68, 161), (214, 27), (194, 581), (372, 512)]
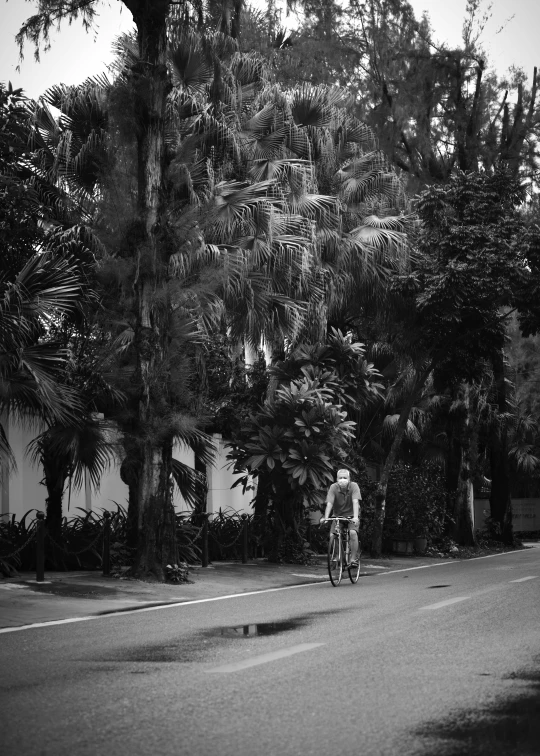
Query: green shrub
[(417, 501), (17, 545), (225, 535)]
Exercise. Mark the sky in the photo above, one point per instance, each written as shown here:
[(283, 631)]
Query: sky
[(75, 55)]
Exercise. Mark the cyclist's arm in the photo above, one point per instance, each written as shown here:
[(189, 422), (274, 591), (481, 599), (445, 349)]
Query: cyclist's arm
[(329, 505), (356, 502), (328, 509)]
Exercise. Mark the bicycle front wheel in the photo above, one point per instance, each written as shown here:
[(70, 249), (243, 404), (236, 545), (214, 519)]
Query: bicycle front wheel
[(335, 565), (354, 572)]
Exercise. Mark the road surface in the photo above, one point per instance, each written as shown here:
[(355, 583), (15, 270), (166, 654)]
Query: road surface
[(441, 660)]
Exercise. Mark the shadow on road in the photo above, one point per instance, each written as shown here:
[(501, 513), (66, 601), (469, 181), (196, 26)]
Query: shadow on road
[(510, 727), (195, 647)]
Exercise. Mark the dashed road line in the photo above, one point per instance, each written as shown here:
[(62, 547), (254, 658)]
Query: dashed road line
[(421, 567), (441, 604), (263, 658), (523, 579)]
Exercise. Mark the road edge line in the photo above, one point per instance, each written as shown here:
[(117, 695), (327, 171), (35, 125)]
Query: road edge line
[(454, 561), (154, 607)]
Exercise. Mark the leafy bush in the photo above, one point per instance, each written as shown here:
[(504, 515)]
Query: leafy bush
[(177, 573), (294, 550), (81, 543), (13, 536), (417, 501), (187, 532), (225, 535)]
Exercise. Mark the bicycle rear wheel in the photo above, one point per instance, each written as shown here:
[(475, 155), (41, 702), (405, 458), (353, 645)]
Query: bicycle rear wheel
[(335, 565)]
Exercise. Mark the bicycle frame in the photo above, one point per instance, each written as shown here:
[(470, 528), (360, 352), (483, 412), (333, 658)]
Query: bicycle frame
[(344, 534), (341, 559)]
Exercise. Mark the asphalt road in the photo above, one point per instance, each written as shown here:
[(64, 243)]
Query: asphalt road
[(443, 660)]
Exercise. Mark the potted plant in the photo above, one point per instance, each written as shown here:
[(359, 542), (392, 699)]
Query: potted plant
[(403, 544), (420, 543)]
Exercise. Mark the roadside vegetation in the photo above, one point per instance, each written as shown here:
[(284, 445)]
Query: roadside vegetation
[(323, 243)]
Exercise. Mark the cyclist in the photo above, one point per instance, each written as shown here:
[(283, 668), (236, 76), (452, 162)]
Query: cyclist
[(344, 498)]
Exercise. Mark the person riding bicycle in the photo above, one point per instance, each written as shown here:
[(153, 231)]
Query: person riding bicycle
[(344, 498)]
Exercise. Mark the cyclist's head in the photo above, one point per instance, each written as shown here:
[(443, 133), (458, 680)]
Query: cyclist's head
[(343, 477)]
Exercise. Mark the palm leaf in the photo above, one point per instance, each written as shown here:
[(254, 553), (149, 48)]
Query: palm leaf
[(191, 69), (390, 423), (188, 481)]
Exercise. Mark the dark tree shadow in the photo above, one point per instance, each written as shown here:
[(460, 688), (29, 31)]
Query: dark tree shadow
[(510, 727)]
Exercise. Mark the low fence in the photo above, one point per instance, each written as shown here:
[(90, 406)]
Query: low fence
[(241, 539), (100, 541), (40, 537), (204, 541)]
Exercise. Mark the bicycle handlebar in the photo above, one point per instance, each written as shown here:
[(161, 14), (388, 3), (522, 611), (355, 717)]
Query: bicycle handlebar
[(345, 519)]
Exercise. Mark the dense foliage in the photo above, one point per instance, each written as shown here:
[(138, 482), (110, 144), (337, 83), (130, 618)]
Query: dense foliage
[(417, 501), (230, 193)]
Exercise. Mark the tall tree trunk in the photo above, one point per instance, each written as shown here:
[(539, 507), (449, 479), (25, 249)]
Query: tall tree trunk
[(155, 523), (463, 526), (55, 475), (380, 494), (201, 505), (500, 498)]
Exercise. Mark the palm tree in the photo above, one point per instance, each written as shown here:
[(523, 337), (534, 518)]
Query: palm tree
[(69, 454), (241, 221), (47, 290), (44, 284)]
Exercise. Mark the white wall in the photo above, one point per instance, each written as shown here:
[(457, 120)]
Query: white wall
[(220, 479), (525, 514), (22, 491)]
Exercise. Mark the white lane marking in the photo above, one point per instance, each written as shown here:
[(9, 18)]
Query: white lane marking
[(440, 604), (232, 595), (12, 587), (522, 580), (422, 567), (302, 574), (453, 561), (154, 608), (263, 658)]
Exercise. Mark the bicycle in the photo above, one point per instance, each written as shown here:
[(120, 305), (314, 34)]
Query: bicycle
[(339, 553)]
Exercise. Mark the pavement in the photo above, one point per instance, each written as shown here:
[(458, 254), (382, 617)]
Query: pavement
[(66, 595)]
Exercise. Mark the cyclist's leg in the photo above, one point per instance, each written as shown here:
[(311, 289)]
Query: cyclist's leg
[(353, 536), (335, 566)]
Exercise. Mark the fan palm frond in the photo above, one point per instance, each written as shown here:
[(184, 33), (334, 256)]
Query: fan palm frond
[(192, 71), (312, 105), (524, 457), (7, 459), (390, 424), (378, 237), (263, 121), (188, 481), (87, 449)]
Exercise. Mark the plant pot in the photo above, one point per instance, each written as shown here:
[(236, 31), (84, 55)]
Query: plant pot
[(420, 545), (402, 546)]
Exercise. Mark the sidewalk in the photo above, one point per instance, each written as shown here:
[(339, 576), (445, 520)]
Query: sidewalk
[(64, 595)]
